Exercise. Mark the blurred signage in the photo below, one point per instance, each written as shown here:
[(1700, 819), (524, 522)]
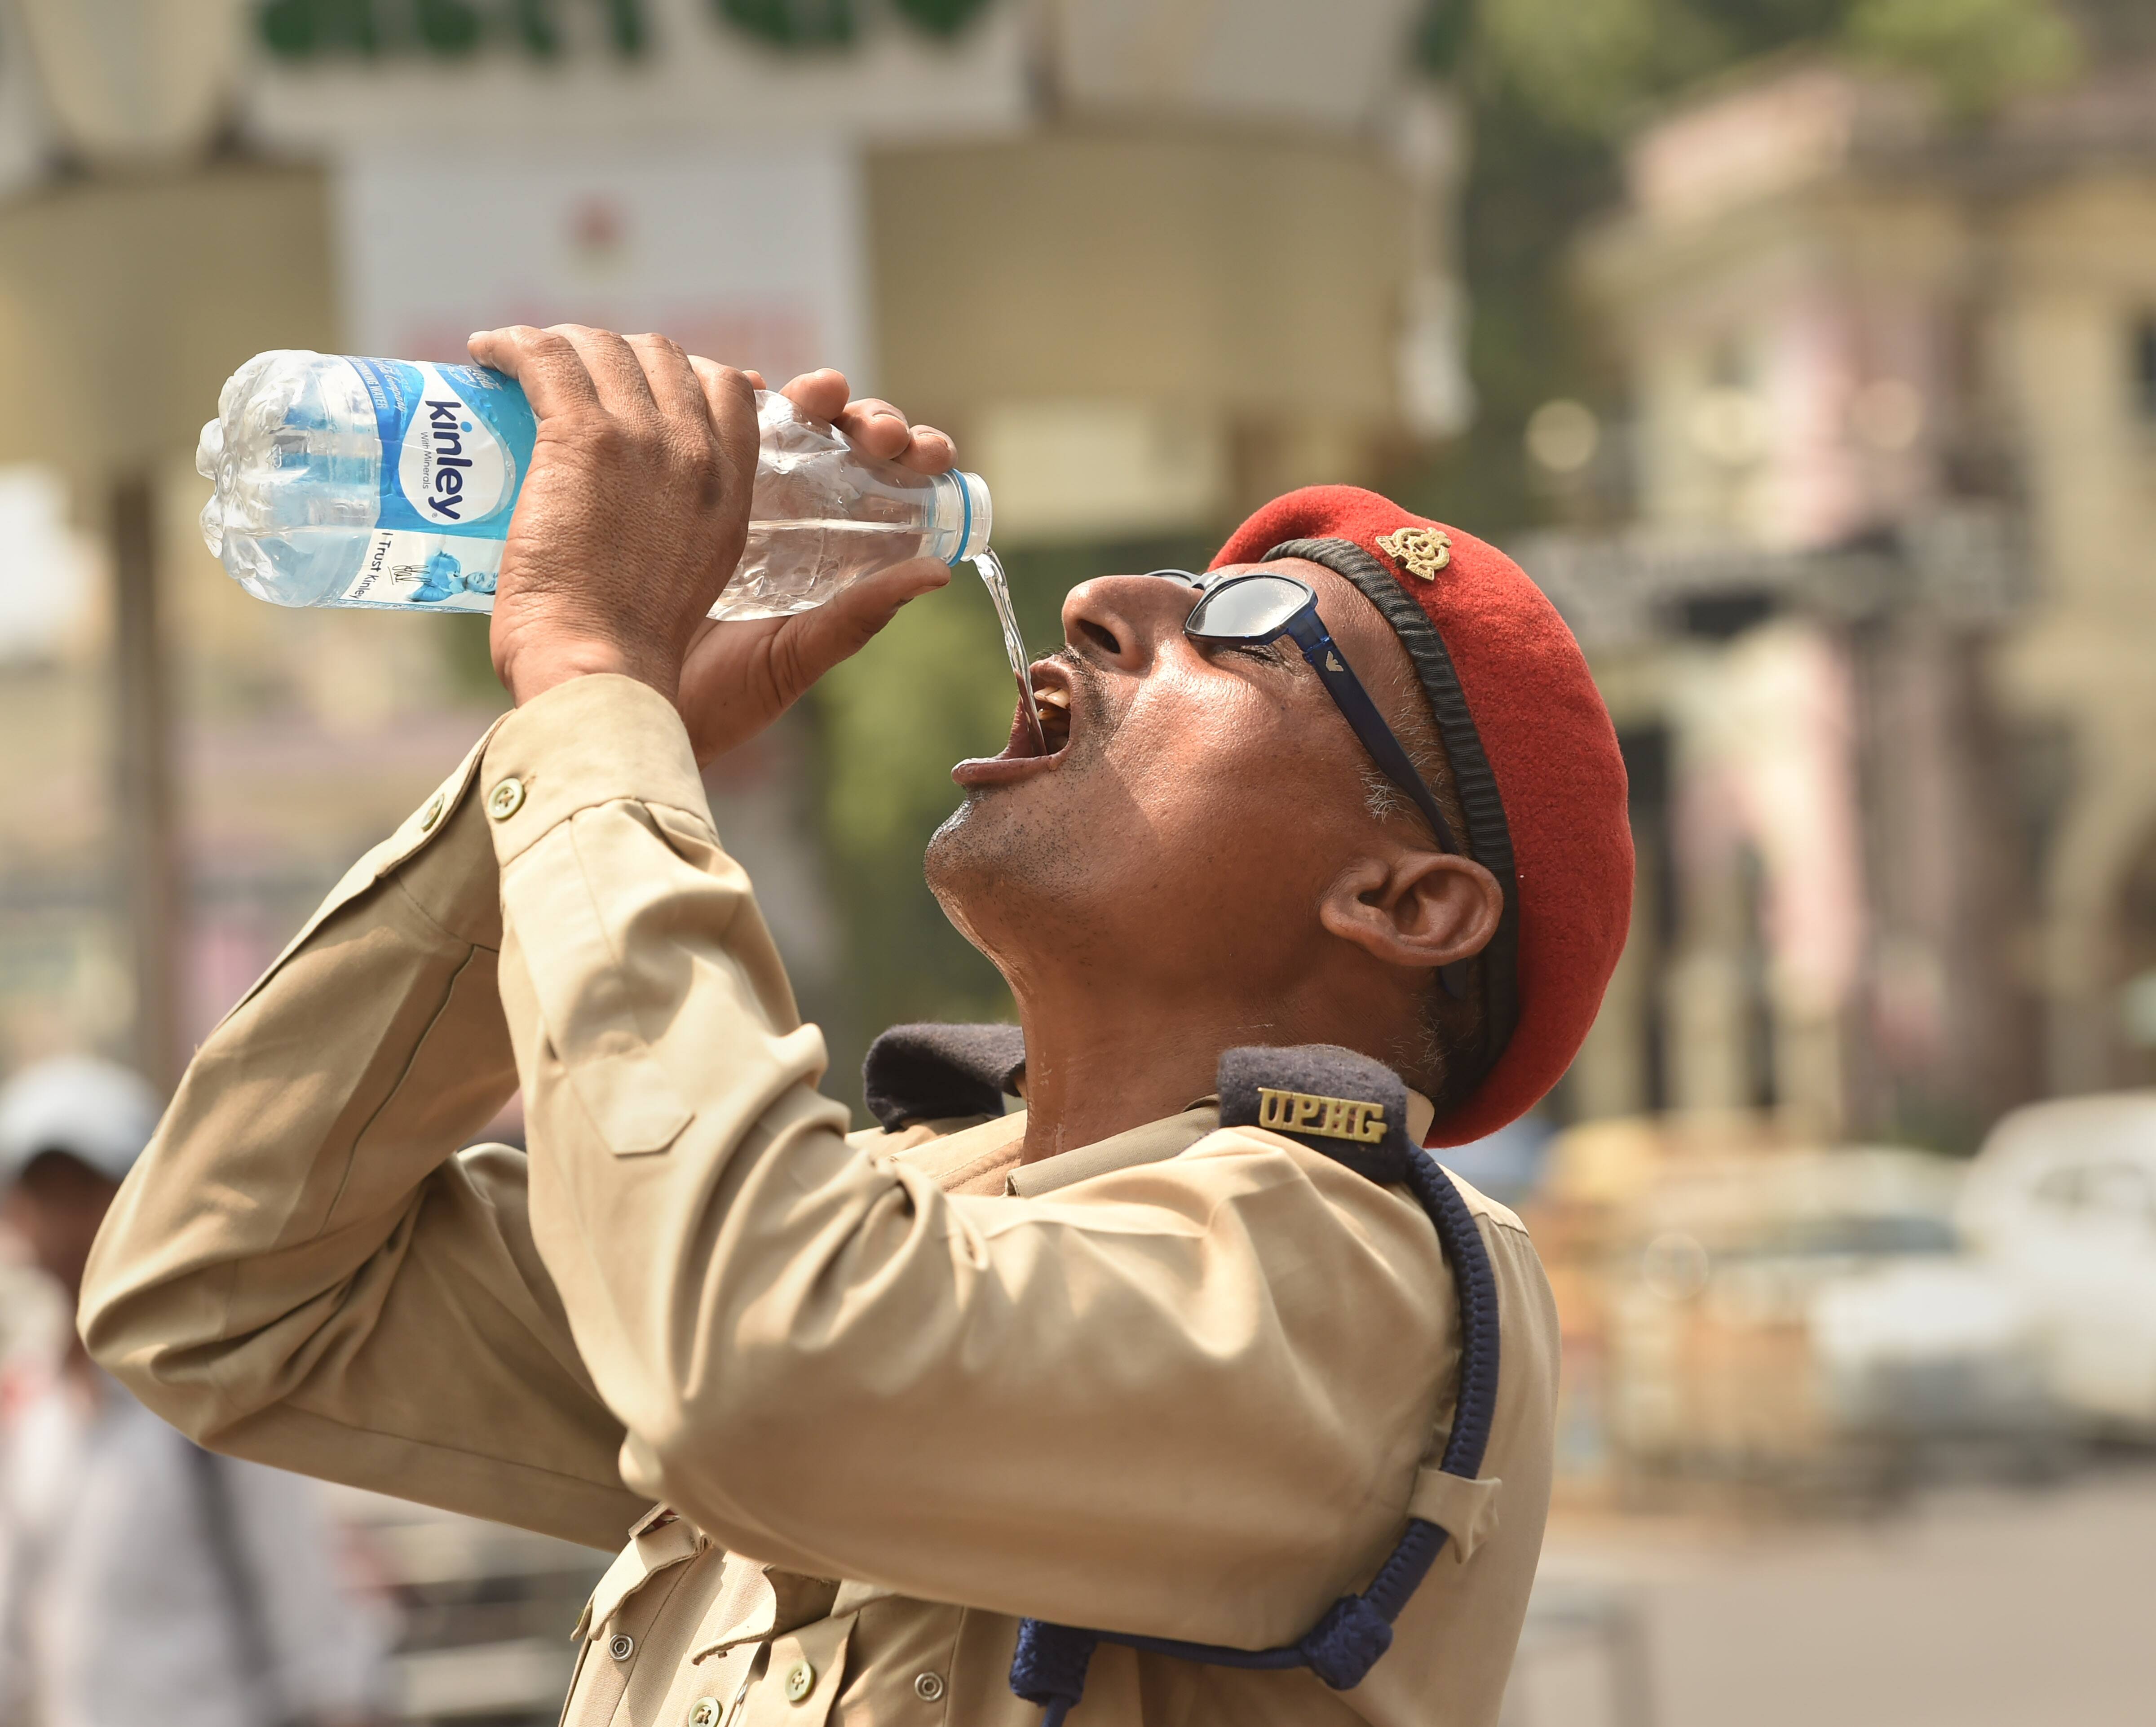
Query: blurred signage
[(751, 253), (330, 73), (446, 30), (300, 30)]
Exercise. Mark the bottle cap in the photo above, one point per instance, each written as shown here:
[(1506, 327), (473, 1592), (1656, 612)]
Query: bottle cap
[(976, 516)]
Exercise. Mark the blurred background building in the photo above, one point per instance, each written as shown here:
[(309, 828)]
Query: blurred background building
[(1878, 625), (1803, 350)]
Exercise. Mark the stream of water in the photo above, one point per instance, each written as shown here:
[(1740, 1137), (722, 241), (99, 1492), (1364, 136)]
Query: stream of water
[(999, 586)]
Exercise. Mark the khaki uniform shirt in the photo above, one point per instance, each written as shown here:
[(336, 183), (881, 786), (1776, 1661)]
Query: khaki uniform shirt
[(890, 1393)]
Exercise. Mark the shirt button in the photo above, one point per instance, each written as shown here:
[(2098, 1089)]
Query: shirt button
[(621, 1646), (705, 1713), (928, 1687), (431, 814), (505, 799), (800, 1681)]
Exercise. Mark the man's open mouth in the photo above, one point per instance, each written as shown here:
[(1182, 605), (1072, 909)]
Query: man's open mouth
[(1053, 690)]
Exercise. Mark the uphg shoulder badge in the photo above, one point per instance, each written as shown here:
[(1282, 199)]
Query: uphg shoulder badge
[(1332, 1100)]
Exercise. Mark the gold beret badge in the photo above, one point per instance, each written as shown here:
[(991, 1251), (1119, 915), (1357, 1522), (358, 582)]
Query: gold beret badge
[(1421, 552)]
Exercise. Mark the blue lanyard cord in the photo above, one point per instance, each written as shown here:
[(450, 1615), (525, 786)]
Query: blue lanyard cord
[(1048, 1667)]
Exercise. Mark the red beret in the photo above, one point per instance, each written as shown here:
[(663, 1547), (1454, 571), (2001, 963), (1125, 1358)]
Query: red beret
[(1533, 756)]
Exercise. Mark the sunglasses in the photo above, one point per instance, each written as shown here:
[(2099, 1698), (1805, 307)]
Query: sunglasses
[(1256, 610)]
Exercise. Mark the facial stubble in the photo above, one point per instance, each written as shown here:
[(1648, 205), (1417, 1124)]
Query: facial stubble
[(1014, 856)]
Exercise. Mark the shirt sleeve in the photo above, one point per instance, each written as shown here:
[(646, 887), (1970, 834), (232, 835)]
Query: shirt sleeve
[(1186, 1399), (303, 1269)]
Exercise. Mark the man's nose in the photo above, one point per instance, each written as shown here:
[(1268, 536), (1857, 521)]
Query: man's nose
[(1123, 621)]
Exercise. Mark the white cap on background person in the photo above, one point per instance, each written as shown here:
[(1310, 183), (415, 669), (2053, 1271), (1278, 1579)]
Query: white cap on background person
[(93, 1110)]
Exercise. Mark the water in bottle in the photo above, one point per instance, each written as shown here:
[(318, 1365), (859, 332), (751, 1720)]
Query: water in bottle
[(365, 482)]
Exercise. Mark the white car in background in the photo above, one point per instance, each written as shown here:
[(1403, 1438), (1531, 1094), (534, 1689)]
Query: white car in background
[(2062, 1200), (1806, 1318)]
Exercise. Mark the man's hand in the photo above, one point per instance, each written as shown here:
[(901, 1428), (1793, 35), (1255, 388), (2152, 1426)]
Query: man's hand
[(633, 514), (633, 517), (740, 676)]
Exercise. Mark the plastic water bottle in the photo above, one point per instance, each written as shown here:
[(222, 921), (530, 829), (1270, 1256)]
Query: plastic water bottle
[(360, 482)]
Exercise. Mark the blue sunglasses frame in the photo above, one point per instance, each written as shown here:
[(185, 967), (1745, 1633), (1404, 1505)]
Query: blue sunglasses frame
[(1304, 627)]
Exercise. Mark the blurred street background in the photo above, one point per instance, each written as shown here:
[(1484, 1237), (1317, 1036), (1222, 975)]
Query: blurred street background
[(1804, 351)]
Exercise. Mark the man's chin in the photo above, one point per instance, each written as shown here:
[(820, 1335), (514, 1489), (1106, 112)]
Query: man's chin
[(974, 836), (999, 854)]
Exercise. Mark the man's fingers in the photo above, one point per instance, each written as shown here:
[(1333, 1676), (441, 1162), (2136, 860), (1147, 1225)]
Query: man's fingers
[(871, 424), (820, 395), (874, 427), (880, 429), (617, 372), (729, 398), (544, 361), (931, 452), (673, 383), (754, 377), (725, 390)]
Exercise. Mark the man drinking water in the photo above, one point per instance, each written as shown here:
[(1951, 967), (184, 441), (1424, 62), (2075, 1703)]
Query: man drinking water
[(1194, 1391)]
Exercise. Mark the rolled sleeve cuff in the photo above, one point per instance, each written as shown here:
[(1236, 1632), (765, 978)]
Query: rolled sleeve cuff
[(599, 739)]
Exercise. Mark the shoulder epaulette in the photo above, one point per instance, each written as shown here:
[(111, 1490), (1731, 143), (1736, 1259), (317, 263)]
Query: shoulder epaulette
[(1330, 1099), (931, 1072)]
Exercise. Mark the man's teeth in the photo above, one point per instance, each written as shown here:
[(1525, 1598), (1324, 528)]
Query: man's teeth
[(1054, 706)]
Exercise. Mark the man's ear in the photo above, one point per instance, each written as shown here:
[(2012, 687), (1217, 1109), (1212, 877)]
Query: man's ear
[(1415, 909)]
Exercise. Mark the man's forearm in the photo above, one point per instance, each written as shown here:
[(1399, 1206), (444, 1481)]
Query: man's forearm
[(302, 1271)]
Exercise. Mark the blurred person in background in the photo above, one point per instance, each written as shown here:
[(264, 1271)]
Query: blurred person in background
[(141, 1578)]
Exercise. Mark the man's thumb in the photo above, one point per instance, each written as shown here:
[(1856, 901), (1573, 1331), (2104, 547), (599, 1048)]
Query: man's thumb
[(841, 627)]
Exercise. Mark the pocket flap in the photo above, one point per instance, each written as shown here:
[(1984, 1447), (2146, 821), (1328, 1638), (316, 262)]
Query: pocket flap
[(1465, 1510)]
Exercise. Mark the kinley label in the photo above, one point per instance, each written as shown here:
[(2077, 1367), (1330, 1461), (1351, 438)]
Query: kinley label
[(453, 469), (454, 442)]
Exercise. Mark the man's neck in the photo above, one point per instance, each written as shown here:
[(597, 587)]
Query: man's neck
[(1094, 1069)]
